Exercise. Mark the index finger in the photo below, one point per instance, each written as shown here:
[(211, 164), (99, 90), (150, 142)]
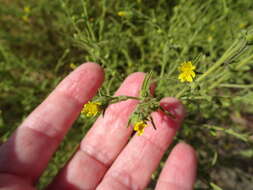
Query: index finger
[(29, 149)]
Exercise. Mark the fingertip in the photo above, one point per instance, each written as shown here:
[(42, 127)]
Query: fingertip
[(137, 76), (181, 150), (83, 83), (93, 67), (183, 160), (180, 169), (131, 85)]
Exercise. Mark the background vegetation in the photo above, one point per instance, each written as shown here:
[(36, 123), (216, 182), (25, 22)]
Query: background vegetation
[(39, 40)]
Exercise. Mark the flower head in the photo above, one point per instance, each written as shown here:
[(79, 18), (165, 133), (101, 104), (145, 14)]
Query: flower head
[(122, 13), (72, 66), (139, 127), (91, 109), (25, 18), (210, 38), (186, 72), (125, 14), (27, 9), (242, 25)]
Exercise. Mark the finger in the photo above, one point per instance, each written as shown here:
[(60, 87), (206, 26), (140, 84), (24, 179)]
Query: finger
[(135, 164), (102, 143), (179, 172), (10, 182), (28, 150)]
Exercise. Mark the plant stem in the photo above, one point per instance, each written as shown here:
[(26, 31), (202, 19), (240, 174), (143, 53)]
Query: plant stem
[(181, 92), (236, 85), (226, 75), (236, 48)]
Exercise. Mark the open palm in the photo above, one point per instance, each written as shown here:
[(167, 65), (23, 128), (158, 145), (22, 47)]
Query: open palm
[(106, 159)]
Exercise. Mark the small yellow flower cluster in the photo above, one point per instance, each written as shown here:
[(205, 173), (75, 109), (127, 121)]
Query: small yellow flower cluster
[(125, 14), (186, 72), (210, 38), (139, 127), (72, 66), (122, 13), (242, 25), (26, 11), (25, 18), (91, 109)]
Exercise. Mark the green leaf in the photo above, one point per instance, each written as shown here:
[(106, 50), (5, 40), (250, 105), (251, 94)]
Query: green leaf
[(215, 187), (215, 157), (146, 84)]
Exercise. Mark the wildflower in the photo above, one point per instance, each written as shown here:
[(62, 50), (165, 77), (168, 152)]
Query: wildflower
[(242, 25), (139, 127), (91, 109), (210, 38), (72, 66), (122, 13), (25, 18), (186, 72), (27, 9)]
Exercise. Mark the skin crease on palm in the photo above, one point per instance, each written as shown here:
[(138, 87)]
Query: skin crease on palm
[(106, 159)]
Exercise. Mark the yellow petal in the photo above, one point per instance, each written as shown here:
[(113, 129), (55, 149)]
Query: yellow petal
[(189, 78), (181, 77), (193, 74)]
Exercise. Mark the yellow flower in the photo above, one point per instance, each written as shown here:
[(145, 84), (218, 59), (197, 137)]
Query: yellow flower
[(122, 13), (27, 9), (186, 72), (242, 25), (139, 127), (91, 109), (25, 18), (210, 38), (72, 66)]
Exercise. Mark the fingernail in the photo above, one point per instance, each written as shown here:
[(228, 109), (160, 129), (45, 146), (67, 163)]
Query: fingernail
[(174, 106)]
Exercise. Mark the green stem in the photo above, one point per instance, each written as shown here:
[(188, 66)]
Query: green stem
[(244, 61), (165, 59), (226, 75), (215, 84), (132, 97), (236, 85), (123, 98), (243, 137), (236, 48), (181, 92)]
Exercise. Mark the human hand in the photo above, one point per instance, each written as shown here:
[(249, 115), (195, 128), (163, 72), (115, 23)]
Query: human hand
[(105, 159)]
